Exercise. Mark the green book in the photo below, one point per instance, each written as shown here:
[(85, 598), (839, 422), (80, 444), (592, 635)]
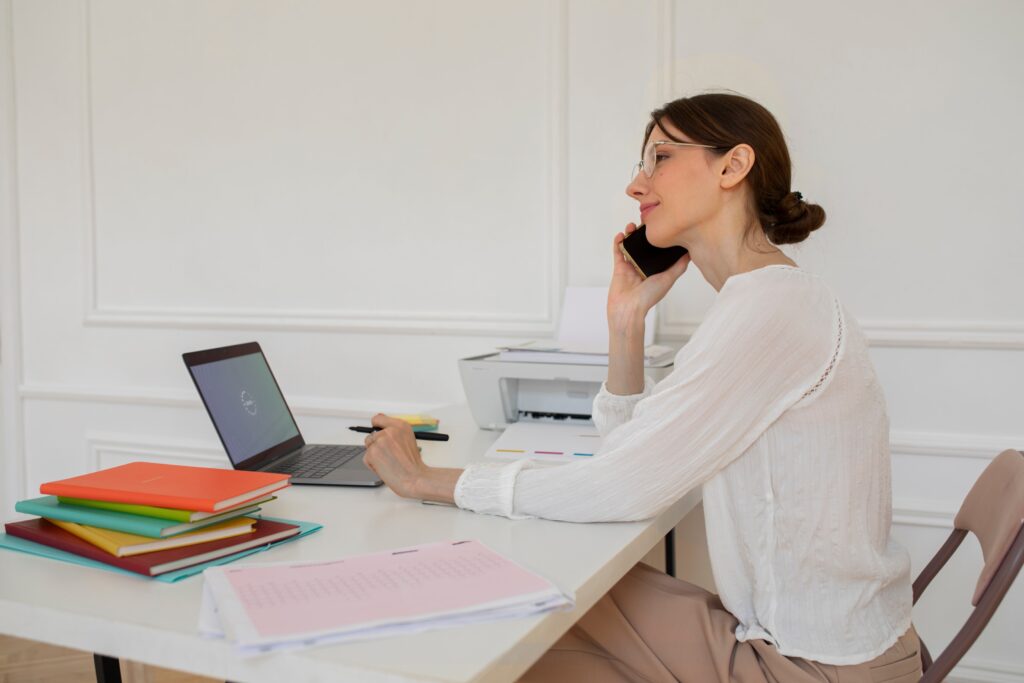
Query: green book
[(49, 507), (162, 513)]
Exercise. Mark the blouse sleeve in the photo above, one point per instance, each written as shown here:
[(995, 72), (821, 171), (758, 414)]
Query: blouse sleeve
[(766, 341), (611, 410)]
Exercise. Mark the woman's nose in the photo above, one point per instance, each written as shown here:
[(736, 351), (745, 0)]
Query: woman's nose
[(637, 187)]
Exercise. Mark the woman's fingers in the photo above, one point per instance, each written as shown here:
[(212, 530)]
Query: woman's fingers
[(381, 420), (617, 240), (385, 422), (391, 452), (616, 251)]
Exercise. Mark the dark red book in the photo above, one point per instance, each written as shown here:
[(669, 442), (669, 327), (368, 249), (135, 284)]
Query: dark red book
[(151, 564)]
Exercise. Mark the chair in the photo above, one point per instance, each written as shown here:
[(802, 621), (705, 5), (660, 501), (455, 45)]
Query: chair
[(994, 512)]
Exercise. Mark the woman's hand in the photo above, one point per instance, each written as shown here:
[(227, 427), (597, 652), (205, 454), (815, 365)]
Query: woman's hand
[(629, 295), (393, 454)]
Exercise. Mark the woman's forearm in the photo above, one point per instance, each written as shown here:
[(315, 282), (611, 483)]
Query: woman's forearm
[(438, 484), (625, 352)]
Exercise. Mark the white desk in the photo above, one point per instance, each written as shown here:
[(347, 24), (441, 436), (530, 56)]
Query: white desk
[(155, 623)]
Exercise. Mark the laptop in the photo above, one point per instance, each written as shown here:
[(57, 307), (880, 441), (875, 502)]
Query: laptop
[(256, 425)]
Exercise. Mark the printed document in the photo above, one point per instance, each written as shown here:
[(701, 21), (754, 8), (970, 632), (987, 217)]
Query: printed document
[(288, 605)]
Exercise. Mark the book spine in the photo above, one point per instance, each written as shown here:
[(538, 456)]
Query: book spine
[(131, 524), (133, 497), (142, 498), (144, 510), (88, 535), (87, 552)]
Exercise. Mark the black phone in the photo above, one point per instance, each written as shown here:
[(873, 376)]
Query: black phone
[(647, 258)]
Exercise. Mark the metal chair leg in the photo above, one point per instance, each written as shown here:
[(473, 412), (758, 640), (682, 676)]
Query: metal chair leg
[(108, 669), (670, 552)]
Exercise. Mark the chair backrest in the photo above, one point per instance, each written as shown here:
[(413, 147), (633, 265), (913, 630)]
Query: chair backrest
[(994, 512)]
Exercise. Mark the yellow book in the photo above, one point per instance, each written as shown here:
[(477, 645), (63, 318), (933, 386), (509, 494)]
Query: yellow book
[(120, 544)]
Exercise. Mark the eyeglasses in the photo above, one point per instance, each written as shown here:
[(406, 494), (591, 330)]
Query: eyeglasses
[(650, 159)]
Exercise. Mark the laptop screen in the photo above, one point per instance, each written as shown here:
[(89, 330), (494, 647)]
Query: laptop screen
[(245, 404)]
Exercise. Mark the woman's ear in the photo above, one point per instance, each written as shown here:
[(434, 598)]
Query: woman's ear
[(737, 163)]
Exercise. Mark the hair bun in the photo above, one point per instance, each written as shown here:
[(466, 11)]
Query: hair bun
[(794, 219)]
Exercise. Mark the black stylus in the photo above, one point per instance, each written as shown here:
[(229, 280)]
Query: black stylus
[(426, 436)]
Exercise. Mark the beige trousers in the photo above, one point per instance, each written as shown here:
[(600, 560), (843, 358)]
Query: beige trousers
[(653, 628)]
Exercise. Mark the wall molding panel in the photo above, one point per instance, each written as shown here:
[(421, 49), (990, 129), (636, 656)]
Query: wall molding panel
[(911, 512), (396, 322), (949, 445), (97, 313), (110, 450), (12, 426), (665, 10)]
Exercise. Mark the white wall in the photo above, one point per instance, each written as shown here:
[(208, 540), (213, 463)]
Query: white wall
[(374, 190)]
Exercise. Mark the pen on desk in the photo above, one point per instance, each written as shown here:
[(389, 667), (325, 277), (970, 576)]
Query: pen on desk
[(425, 436)]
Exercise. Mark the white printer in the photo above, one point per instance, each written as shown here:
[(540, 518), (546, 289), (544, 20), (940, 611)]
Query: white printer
[(554, 380), (501, 392)]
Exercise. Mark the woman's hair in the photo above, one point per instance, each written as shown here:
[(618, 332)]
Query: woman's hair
[(726, 120)]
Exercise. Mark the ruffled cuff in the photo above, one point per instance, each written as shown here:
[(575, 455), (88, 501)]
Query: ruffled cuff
[(611, 410), (489, 488)]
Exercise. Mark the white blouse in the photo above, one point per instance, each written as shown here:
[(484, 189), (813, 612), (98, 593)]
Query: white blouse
[(774, 408)]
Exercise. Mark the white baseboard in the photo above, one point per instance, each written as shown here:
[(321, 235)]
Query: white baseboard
[(971, 670)]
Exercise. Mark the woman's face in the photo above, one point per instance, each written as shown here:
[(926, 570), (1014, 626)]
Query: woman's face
[(683, 191)]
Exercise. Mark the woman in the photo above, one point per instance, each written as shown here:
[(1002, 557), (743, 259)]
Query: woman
[(773, 408)]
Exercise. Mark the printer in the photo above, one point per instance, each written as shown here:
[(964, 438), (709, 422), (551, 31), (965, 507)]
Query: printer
[(502, 392)]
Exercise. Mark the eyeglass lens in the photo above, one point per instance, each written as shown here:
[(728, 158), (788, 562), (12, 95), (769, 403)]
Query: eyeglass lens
[(650, 158), (646, 163)]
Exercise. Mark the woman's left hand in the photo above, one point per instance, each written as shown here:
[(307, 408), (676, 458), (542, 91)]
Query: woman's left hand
[(393, 454)]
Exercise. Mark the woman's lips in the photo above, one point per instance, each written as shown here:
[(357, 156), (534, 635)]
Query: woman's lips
[(644, 208)]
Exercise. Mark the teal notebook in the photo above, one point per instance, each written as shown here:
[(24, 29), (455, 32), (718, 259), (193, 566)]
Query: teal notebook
[(21, 545), (153, 527)]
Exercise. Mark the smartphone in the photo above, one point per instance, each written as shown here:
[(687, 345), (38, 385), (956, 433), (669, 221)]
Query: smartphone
[(647, 258)]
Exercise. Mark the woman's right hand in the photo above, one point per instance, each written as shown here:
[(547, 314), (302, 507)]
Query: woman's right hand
[(629, 295)]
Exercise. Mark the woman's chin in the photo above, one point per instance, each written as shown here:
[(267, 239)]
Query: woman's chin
[(656, 239)]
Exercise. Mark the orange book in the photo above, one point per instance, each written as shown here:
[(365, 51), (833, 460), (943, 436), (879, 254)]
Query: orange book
[(171, 486)]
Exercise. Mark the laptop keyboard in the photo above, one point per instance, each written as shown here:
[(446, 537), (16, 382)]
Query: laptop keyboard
[(318, 461)]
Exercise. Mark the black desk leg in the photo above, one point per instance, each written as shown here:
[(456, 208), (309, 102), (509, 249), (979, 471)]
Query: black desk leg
[(670, 552), (108, 669)]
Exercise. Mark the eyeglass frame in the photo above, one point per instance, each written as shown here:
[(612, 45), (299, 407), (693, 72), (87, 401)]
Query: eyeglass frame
[(653, 145)]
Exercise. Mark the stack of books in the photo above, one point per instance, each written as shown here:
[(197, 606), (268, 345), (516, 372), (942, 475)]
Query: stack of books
[(153, 518)]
